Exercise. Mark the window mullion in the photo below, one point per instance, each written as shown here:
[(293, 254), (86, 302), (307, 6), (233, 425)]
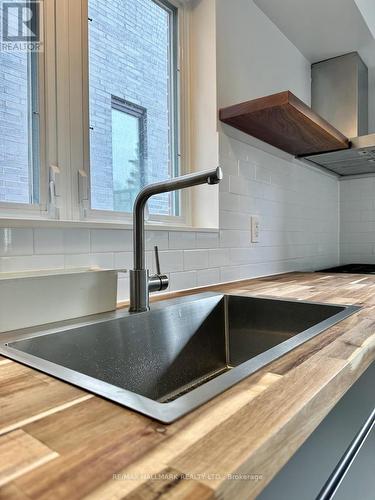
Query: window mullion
[(72, 145)]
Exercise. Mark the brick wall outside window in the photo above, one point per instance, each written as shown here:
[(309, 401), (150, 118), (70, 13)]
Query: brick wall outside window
[(128, 59)]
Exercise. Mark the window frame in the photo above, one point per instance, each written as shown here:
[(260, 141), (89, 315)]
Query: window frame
[(179, 97), (64, 125), (45, 97)]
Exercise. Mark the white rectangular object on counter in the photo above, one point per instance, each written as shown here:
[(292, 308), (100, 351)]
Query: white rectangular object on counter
[(35, 298)]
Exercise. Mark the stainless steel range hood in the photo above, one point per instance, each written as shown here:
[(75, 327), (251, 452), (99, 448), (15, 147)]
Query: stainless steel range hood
[(339, 93), (359, 159)]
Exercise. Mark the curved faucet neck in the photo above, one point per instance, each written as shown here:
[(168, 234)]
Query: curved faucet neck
[(140, 281)]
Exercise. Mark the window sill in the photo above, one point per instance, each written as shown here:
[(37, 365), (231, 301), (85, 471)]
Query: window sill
[(7, 222)]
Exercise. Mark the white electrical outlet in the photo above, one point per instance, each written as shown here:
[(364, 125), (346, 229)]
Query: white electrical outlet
[(255, 229)]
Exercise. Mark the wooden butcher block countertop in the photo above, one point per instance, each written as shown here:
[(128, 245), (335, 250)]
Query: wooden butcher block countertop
[(60, 442)]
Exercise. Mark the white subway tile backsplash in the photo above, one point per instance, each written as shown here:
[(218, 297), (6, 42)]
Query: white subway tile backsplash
[(81, 260), (182, 240), (357, 248), (358, 237), (263, 174), (257, 189), (230, 238), (111, 240), (356, 204), (207, 240), (248, 204), (272, 208), (180, 281), (356, 258), (234, 220), (208, 277), (234, 273), (226, 148), (357, 227), (171, 261), (357, 211), (31, 263), (277, 193), (76, 241), (281, 176), (246, 169), (230, 202), (270, 223), (298, 212), (356, 189), (195, 259), (239, 185), (242, 255), (366, 215), (48, 241), (157, 238), (102, 260), (348, 215), (229, 166), (16, 241), (123, 260), (224, 184), (218, 257)]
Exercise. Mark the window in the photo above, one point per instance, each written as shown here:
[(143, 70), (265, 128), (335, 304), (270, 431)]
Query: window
[(19, 120), (133, 103), (92, 115)]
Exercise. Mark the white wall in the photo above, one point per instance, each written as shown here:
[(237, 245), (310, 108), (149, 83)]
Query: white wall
[(298, 206), (203, 139), (357, 207), (254, 57)]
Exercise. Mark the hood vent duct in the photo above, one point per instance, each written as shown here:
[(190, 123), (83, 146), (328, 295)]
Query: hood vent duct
[(339, 93)]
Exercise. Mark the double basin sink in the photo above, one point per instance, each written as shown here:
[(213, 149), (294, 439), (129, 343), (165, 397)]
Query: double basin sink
[(168, 361)]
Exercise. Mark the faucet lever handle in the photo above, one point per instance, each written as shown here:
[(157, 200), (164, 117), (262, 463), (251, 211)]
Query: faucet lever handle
[(157, 262)]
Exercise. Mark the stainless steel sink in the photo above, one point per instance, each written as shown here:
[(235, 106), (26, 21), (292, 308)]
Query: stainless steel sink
[(183, 352)]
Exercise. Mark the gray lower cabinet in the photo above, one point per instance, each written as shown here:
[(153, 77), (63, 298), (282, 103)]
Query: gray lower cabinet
[(304, 476), (359, 482)]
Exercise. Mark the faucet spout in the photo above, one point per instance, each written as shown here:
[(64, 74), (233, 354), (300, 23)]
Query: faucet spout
[(185, 181), (140, 281)]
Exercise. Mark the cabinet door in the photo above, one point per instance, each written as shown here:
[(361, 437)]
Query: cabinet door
[(359, 481), (307, 471)]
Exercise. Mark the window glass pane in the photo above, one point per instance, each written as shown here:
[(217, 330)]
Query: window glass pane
[(130, 61), (126, 160), (19, 137)]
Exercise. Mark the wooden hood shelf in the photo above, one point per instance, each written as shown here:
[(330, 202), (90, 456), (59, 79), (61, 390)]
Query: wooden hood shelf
[(285, 122)]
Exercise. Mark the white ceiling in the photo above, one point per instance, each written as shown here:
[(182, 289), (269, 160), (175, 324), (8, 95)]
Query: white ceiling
[(321, 29)]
